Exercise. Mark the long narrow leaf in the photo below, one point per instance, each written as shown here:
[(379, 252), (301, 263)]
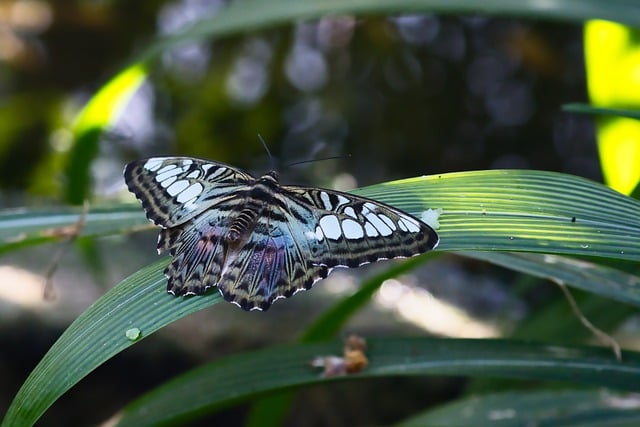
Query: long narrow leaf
[(272, 409), (567, 408), (24, 227), (520, 210), (243, 376), (246, 15), (588, 276), (507, 210), (139, 303)]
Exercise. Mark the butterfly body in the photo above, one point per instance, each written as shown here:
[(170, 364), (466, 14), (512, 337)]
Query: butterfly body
[(257, 240)]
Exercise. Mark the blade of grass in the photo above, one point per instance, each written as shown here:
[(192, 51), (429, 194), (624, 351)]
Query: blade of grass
[(272, 409), (140, 301), (567, 408), (535, 211), (243, 376), (600, 111), (606, 281), (26, 227)]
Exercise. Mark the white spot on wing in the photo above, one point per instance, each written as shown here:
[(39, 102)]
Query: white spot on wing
[(402, 225), (215, 173), (167, 168), (191, 205), (352, 230), (370, 230), (369, 206), (194, 174), (160, 177), (387, 221), (342, 201), (378, 224), (318, 234), (168, 182), (153, 164), (330, 227), (326, 201), (177, 187), (190, 193), (411, 224), (349, 211)]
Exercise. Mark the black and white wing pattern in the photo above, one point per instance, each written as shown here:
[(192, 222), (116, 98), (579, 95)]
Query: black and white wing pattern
[(174, 190), (256, 240)]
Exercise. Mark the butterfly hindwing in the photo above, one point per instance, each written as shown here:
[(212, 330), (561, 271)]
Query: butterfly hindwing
[(258, 241), (267, 266), (198, 254)]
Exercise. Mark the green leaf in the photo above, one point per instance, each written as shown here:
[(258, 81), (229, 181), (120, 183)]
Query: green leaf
[(601, 111), (568, 408), (102, 110), (272, 409), (252, 15), (24, 227), (505, 210), (243, 376), (521, 210), (588, 276), (139, 302), (605, 281), (611, 51)]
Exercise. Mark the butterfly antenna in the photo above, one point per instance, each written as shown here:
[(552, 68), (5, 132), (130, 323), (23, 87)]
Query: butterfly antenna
[(264, 144), (344, 156)]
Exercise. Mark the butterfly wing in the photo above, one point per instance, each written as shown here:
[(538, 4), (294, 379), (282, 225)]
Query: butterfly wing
[(198, 253), (344, 230), (297, 237), (291, 248), (270, 266), (173, 190), (267, 265)]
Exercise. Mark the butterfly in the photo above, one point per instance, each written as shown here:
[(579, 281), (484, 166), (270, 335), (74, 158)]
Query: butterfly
[(256, 240)]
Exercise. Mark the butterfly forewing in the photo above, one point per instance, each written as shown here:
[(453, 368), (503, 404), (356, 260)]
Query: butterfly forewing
[(174, 190), (347, 231), (258, 241)]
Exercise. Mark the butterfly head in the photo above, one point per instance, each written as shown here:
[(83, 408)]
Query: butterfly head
[(273, 175)]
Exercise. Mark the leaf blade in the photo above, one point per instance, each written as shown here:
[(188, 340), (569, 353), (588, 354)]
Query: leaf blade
[(240, 377), (569, 408), (99, 333)]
